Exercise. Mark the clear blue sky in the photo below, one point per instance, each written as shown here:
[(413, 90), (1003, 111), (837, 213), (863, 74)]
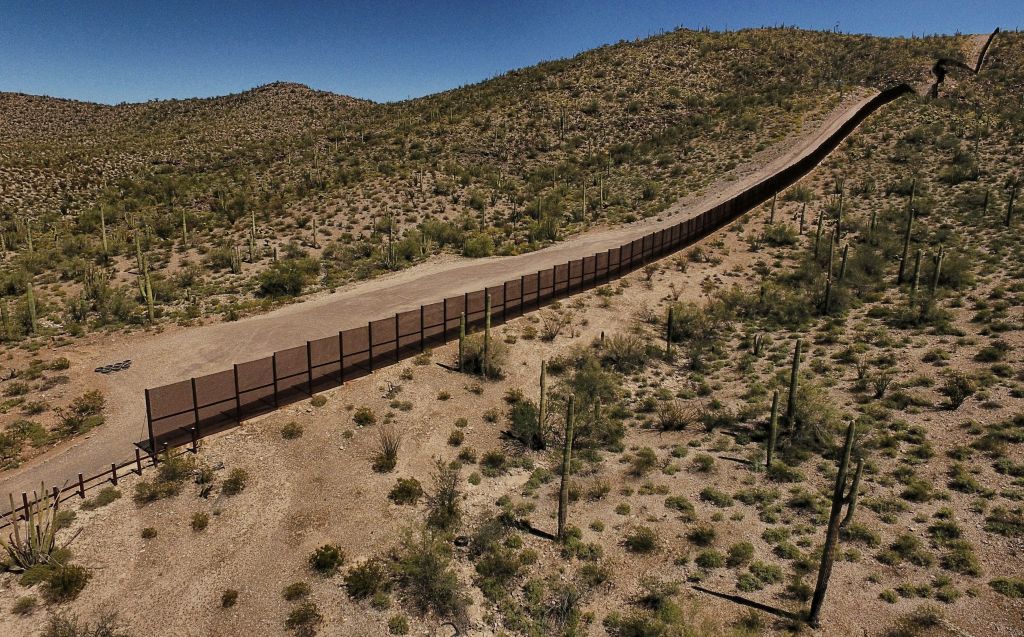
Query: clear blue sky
[(110, 52)]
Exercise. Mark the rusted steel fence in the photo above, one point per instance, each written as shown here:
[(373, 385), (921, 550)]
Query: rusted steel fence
[(183, 412)]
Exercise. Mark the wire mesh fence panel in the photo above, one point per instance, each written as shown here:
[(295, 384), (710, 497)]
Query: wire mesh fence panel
[(171, 410), (409, 333), (513, 299), (217, 401), (454, 306), (576, 275), (292, 367), (325, 363), (531, 291), (256, 388), (355, 347), (475, 309), (545, 285), (383, 342), (433, 324)]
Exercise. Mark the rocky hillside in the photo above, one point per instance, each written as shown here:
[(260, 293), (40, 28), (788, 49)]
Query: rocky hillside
[(227, 202)]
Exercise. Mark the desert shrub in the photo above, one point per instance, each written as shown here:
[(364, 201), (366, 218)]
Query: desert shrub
[(1010, 586), (624, 352), (709, 558), (84, 413), (456, 438), (673, 415), (643, 462), (683, 506), (494, 463), (957, 387), (473, 356), (291, 431), (327, 559), (318, 401), (857, 532), (524, 423), (702, 535), (235, 482), (67, 625), (24, 605), (65, 582), (960, 558), (228, 598), (389, 440), (295, 591), (642, 539), (703, 463), (199, 521), (1004, 521), (424, 569), (103, 498), (398, 625), (367, 579), (406, 491), (443, 501), (304, 618), (149, 533), (286, 278), (171, 473), (715, 497), (766, 573), (740, 553), (364, 416)]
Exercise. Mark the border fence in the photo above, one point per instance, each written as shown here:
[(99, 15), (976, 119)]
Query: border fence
[(183, 412)]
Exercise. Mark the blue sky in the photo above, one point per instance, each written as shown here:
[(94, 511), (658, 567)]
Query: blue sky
[(110, 52)]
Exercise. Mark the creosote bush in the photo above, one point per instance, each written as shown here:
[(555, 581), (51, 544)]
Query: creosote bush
[(327, 559)]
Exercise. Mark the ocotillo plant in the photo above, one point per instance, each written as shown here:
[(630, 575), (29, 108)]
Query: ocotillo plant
[(851, 498), (563, 495), (794, 377), (773, 430), (462, 341), (30, 300), (832, 534)]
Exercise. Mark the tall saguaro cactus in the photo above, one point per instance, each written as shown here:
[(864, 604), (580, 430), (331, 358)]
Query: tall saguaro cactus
[(486, 365), (563, 494), (668, 332), (851, 498), (30, 300), (906, 236), (937, 272), (1009, 204), (832, 534)]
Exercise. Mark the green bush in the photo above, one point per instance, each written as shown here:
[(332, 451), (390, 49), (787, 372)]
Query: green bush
[(291, 431), (200, 521), (235, 482), (295, 591), (286, 278), (406, 491), (364, 417), (367, 579), (103, 498), (229, 598), (740, 553), (24, 605), (65, 582), (710, 558), (1010, 586), (327, 559), (425, 570), (303, 618), (642, 539)]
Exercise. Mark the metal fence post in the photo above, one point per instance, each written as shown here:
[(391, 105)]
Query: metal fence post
[(309, 366), (113, 473), (149, 424), (397, 338), (238, 397), (81, 486), (369, 343), (195, 402), (341, 358), (423, 345), (273, 372)]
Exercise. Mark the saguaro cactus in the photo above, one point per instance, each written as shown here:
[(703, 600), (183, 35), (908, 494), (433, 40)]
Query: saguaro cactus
[(906, 236), (842, 265), (668, 332), (839, 214), (486, 364), (773, 430), (851, 498), (5, 316), (803, 216), (462, 341), (832, 534), (563, 495), (771, 217), (30, 299), (1009, 205), (794, 377), (917, 273), (817, 235), (937, 272)]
